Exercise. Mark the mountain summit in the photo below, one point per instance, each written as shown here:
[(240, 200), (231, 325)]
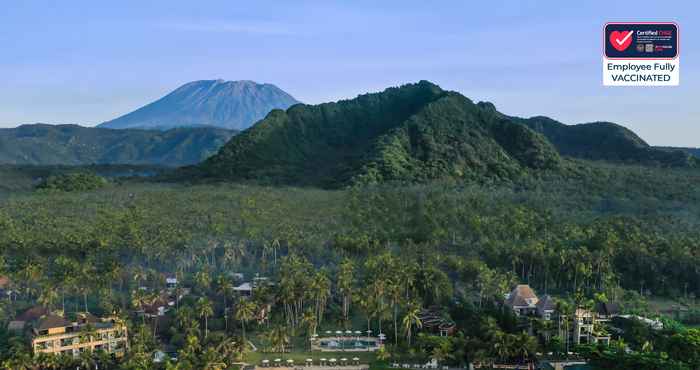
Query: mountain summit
[(227, 104), (416, 132)]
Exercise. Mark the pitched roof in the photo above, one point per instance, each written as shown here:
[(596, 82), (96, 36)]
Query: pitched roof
[(243, 287), (87, 318), (519, 296), (4, 282), (52, 322), (33, 313), (546, 303), (608, 308)]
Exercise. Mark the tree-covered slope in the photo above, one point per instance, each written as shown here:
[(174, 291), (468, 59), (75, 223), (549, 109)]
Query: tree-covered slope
[(42, 144), (605, 141), (411, 133)]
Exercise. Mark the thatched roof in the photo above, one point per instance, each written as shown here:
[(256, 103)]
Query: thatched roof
[(520, 295)]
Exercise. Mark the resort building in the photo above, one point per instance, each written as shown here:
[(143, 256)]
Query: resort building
[(607, 311), (584, 328), (522, 300), (55, 334), (244, 290), (546, 307), (436, 320), (171, 282)]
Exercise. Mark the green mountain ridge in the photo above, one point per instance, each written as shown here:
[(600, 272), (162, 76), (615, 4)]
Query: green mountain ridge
[(416, 132), (605, 141), (43, 144)]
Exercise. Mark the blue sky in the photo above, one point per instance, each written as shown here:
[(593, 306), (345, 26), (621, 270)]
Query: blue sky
[(86, 62)]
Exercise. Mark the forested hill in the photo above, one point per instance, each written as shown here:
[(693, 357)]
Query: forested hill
[(412, 133), (42, 144), (692, 151), (606, 141)]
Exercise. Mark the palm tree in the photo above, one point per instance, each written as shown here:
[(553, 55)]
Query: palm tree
[(309, 321), (395, 296), (48, 297), (205, 309), (203, 280), (411, 319), (212, 360), (279, 339), (245, 311), (321, 287), (231, 348), (503, 346), (225, 288), (233, 252), (524, 346), (345, 285)]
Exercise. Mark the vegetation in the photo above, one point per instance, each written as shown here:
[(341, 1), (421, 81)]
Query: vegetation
[(78, 181), (353, 258), (607, 141), (45, 145), (413, 133), (484, 203)]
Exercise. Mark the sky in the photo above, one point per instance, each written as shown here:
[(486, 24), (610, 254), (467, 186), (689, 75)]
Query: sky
[(86, 62)]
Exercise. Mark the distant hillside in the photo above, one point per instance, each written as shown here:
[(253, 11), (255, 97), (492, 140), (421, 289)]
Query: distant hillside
[(605, 141), (226, 104), (692, 151), (412, 133), (42, 144)]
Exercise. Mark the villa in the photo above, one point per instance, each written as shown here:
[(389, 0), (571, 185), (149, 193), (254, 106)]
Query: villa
[(546, 307), (584, 328), (522, 300), (244, 290)]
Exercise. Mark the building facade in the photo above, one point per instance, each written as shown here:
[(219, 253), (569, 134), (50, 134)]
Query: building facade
[(54, 334)]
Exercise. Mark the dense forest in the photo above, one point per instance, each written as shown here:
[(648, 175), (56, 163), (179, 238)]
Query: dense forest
[(413, 133), (45, 145), (623, 232)]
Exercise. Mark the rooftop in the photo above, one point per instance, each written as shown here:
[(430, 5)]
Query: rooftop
[(520, 295), (51, 322), (546, 303)]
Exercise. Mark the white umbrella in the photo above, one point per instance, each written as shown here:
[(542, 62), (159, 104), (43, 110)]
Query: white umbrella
[(329, 332), (333, 360), (278, 360), (358, 332), (309, 360), (348, 332), (290, 361), (339, 332)]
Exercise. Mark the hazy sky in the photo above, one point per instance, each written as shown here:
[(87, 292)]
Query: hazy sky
[(86, 62)]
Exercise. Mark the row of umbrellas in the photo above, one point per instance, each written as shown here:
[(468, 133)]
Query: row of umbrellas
[(348, 332), (278, 361)]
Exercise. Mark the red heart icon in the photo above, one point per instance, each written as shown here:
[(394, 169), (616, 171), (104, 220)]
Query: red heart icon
[(621, 40)]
